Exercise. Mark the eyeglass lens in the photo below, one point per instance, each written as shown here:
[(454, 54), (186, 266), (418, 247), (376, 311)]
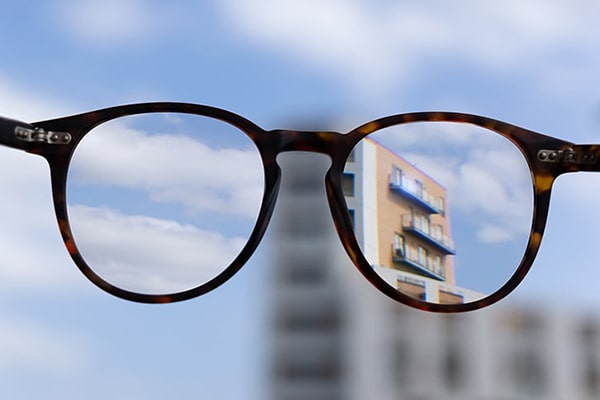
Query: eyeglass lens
[(163, 202), (442, 211)]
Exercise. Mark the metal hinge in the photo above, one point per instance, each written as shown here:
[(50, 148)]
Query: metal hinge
[(568, 156), (39, 135)]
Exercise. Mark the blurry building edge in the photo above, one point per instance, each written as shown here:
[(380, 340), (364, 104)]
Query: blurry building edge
[(308, 324), (509, 351), (336, 337)]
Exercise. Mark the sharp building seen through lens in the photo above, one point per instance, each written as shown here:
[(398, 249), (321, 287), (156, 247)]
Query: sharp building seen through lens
[(402, 221)]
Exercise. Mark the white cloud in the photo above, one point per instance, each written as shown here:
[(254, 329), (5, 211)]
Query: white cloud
[(225, 177), (334, 36), (374, 46), (494, 234), (150, 255)]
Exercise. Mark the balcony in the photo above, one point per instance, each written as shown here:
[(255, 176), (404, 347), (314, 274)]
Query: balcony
[(416, 226), (412, 192), (423, 265)]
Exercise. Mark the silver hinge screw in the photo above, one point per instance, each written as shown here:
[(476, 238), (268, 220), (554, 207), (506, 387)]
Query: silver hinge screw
[(39, 135), (568, 156)]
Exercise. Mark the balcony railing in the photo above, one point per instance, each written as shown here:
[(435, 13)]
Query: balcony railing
[(415, 225), (423, 265), (412, 192)]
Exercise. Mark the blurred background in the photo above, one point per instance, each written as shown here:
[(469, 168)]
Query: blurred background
[(299, 64)]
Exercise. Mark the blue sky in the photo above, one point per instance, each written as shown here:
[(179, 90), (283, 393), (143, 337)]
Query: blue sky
[(281, 64)]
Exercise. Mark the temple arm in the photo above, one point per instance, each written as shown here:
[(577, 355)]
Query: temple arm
[(8, 135), (575, 157), (21, 135)]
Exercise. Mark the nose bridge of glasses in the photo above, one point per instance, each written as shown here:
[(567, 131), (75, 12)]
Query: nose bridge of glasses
[(311, 141)]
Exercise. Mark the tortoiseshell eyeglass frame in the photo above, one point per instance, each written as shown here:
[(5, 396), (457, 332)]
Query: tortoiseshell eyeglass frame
[(56, 139)]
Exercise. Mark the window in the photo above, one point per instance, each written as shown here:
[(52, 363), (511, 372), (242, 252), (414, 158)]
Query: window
[(438, 232), (591, 375), (411, 288), (310, 366), (453, 367), (419, 188), (396, 177), (439, 204), (529, 372), (437, 265), (326, 319), (425, 224), (422, 256), (446, 297), (303, 270), (398, 245), (402, 361), (348, 184), (590, 379)]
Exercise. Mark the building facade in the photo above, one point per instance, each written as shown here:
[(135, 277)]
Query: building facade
[(308, 318), (402, 222)]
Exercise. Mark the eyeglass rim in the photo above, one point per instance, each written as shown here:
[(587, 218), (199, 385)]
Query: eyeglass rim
[(338, 146), (543, 175)]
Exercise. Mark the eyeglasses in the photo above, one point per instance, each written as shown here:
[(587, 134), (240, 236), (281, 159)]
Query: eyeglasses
[(162, 202)]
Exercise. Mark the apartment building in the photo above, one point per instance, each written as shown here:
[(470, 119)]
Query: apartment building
[(331, 328), (402, 222), (335, 337), (308, 318)]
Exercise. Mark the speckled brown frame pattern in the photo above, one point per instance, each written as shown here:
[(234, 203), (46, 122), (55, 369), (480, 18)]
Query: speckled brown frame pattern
[(548, 157)]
